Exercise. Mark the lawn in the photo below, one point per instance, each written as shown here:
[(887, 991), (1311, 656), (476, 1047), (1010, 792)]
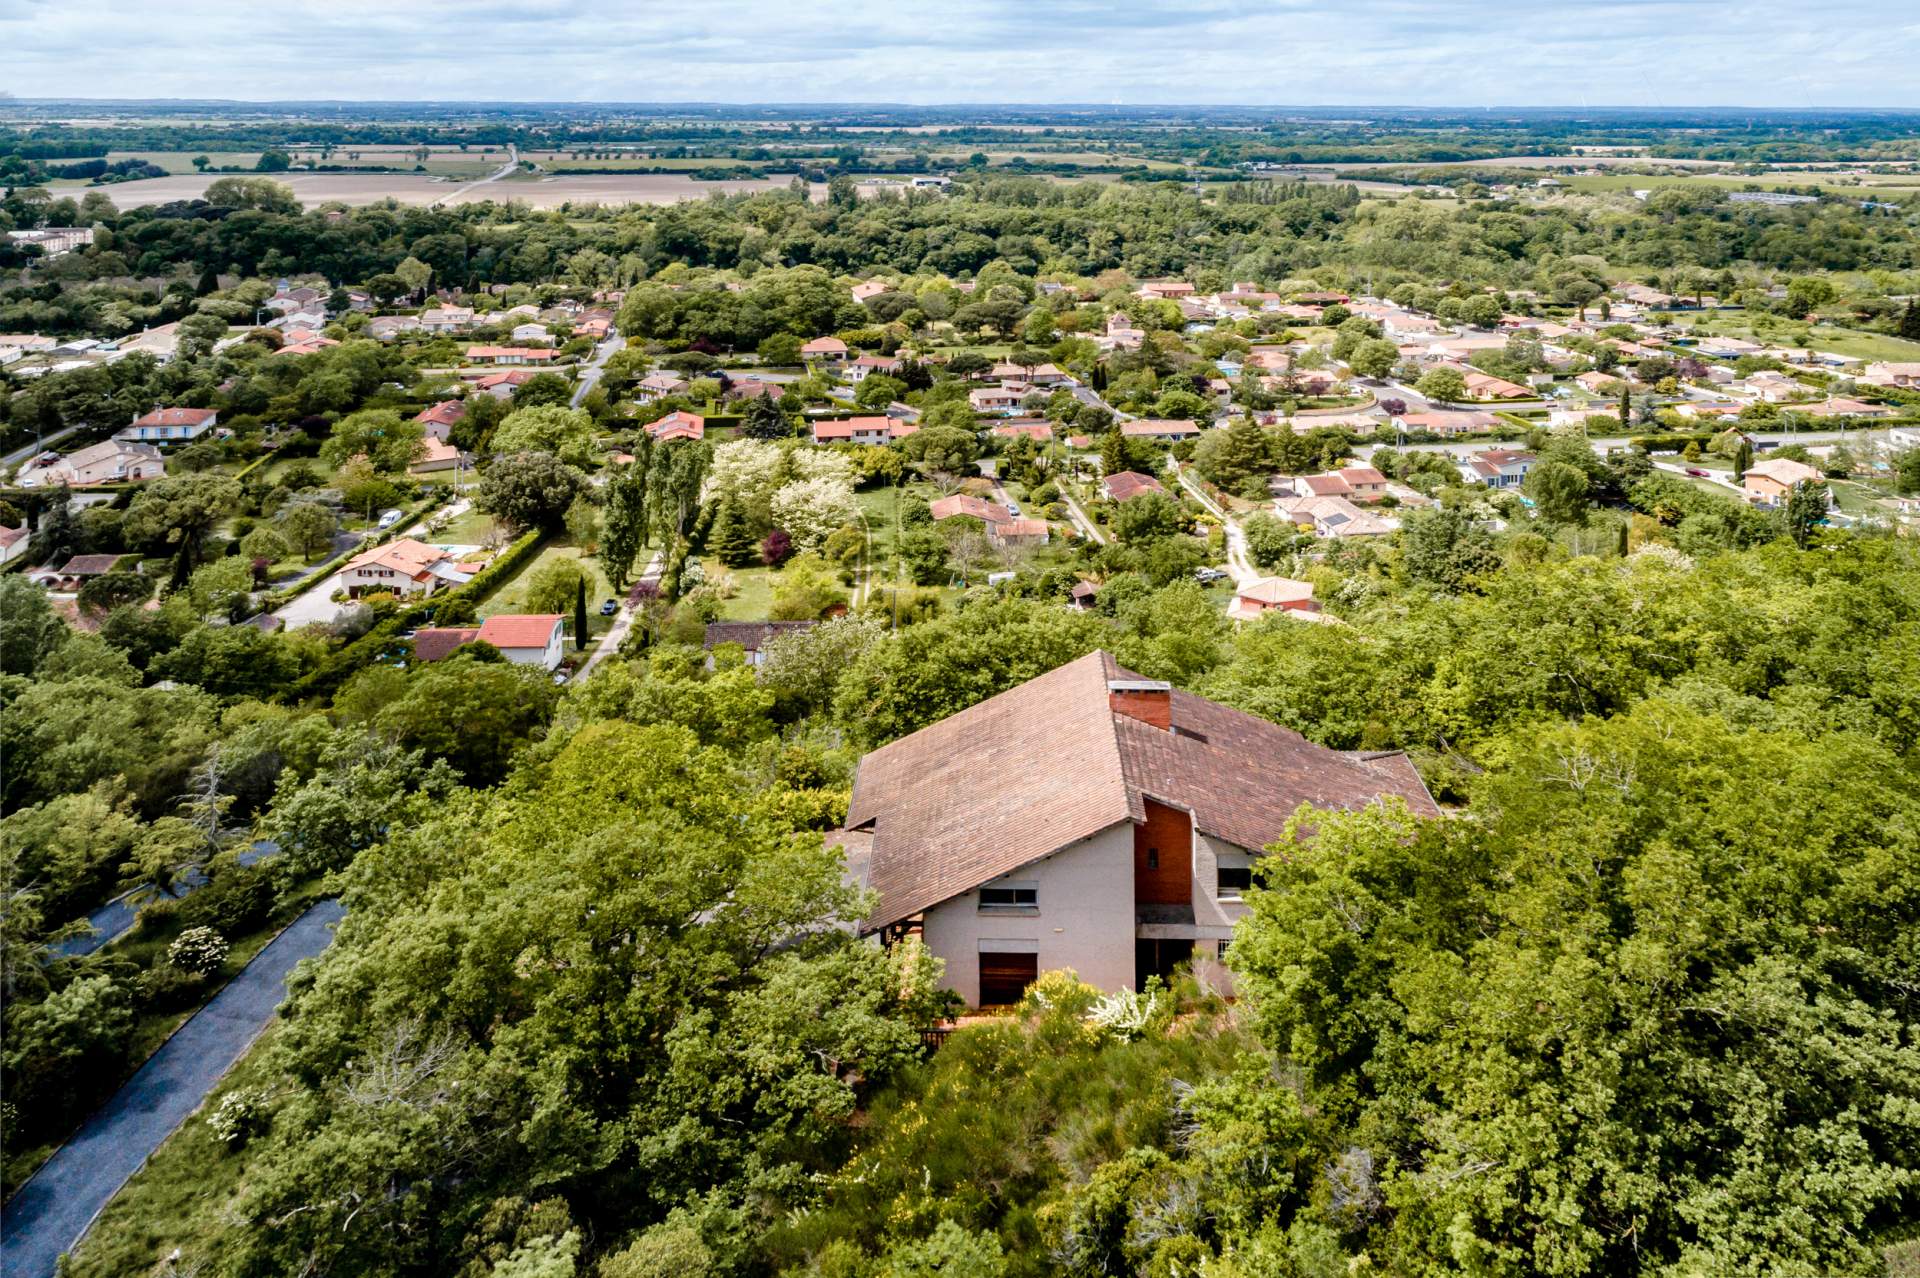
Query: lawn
[(511, 598), (1824, 337), (754, 589), (474, 528)]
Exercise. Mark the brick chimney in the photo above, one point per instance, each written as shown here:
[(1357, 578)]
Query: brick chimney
[(1148, 700)]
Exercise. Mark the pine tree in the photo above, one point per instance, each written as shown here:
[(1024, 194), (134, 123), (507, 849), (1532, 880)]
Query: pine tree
[(210, 282), (730, 539), (1910, 322), (1113, 452)]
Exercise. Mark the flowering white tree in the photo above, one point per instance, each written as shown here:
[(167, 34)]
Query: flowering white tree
[(745, 473), (811, 509)]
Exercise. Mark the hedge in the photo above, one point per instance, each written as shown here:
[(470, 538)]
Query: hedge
[(344, 663)]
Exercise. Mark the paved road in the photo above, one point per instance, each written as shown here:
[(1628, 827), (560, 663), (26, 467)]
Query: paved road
[(590, 375), (19, 455), (1603, 445), (111, 921), (513, 162), (53, 1209), (622, 620)]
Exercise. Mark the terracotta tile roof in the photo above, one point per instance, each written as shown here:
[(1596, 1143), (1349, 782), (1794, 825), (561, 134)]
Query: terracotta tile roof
[(89, 565), (961, 504), (1129, 484), (436, 643), (678, 425), (176, 417), (519, 630), (444, 413), (753, 636), (1046, 764), (405, 555), (1150, 427)]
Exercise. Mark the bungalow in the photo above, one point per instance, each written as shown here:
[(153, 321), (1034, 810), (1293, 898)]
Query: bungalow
[(1770, 482), (109, 462), (404, 567), (510, 355), (1040, 375), (1358, 483), (71, 575), (1020, 532), (1486, 386), (1499, 467), (438, 455), (1128, 484), (858, 370), (1040, 432), (593, 327), (997, 399), (831, 349), (1600, 383), (750, 388), (1169, 289), (1726, 347), (861, 430), (531, 333), (535, 639), (866, 289), (658, 386), (1332, 517), (678, 425), (385, 327), (1448, 423), (1844, 408), (169, 426), (306, 344), (960, 504), (1887, 373), (446, 319), (753, 637), (1088, 819), (501, 385), (1169, 429), (439, 419), (437, 643), (1272, 594)]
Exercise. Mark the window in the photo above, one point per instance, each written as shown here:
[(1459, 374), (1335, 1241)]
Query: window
[(1021, 898), (1235, 879), (1005, 977), (1153, 858)]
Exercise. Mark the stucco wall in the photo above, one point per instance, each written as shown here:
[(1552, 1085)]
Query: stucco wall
[(1084, 919)]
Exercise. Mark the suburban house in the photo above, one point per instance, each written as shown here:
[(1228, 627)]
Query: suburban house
[(1087, 819), (860, 368), (1272, 594), (1169, 429), (14, 542), (1039, 430), (753, 637), (109, 462), (439, 419), (446, 319), (751, 388), (510, 354), (502, 385), (1486, 386), (1447, 423), (861, 430), (679, 424), (827, 348), (1003, 526), (390, 326), (530, 333), (1166, 289), (405, 567), (1886, 373), (869, 288), (72, 574), (1128, 484), (1332, 517), (658, 386), (437, 455), (1770, 482), (437, 643), (1038, 375), (169, 426), (997, 399), (1360, 483), (1499, 467), (537, 639)]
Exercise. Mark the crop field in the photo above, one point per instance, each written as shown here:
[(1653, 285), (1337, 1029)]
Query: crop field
[(420, 188)]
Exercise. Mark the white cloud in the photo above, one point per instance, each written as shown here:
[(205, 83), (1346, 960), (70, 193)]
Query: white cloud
[(1764, 53)]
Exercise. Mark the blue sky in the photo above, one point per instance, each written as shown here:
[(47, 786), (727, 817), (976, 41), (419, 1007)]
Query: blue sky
[(1636, 53)]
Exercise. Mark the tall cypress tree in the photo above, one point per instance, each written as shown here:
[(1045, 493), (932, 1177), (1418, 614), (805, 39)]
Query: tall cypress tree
[(1910, 322), (580, 615)]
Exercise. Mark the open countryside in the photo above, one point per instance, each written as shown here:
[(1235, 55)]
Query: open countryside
[(959, 651)]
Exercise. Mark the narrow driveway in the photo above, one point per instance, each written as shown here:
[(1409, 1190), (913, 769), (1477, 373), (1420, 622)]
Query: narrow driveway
[(622, 620), (513, 162), (58, 1204), (1239, 563), (590, 375), (112, 920)]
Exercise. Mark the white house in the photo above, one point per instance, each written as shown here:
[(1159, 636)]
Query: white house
[(169, 426), (527, 639)]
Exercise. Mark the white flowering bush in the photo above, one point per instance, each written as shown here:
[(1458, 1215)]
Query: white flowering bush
[(199, 950), (1124, 1014), (239, 1115), (1654, 552)]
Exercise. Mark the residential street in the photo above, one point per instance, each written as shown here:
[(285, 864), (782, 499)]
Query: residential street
[(57, 1205), (622, 621), (590, 374), (19, 455), (1239, 563), (113, 919)]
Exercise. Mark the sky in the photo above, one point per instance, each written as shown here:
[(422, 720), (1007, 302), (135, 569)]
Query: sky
[(1455, 53)]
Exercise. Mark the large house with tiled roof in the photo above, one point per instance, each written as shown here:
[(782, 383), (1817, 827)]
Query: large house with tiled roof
[(1087, 819), (403, 567)]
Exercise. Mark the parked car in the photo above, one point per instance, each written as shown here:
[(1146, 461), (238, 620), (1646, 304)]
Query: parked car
[(1696, 472), (610, 607), (388, 518), (1206, 575)]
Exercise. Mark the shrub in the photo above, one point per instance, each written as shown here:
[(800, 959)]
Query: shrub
[(241, 1114), (239, 899), (198, 949)]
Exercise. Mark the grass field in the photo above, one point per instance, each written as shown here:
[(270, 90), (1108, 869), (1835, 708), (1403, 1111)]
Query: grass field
[(512, 597), (1865, 185), (1825, 337)]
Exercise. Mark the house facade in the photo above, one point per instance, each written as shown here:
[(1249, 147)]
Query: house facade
[(1087, 819), (169, 426), (404, 567), (108, 462), (527, 639)]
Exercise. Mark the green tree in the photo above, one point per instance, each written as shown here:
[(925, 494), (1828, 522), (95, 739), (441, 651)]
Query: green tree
[(552, 585), (385, 438), (309, 525), (29, 630), (1559, 492), (565, 432), (1374, 358), (529, 490), (1442, 385)]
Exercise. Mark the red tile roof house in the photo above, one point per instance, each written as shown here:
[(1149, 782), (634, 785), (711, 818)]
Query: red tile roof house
[(437, 643), (1128, 484), (1501, 467), (439, 419), (862, 430), (535, 639), (1087, 819), (678, 425), (1159, 428), (405, 567), (501, 385), (959, 504), (827, 348), (1272, 594), (997, 399), (510, 355), (169, 426), (657, 386), (1038, 432), (70, 575), (857, 370)]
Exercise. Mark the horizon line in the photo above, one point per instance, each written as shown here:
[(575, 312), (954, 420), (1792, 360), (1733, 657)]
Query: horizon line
[(1103, 107)]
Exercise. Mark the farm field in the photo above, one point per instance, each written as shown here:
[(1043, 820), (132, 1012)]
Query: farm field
[(417, 188), (1826, 337)]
